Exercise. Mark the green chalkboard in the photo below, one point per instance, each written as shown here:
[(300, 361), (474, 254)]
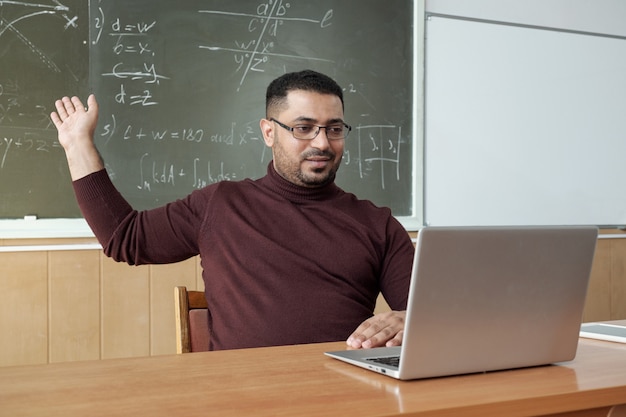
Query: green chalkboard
[(181, 87), (43, 55)]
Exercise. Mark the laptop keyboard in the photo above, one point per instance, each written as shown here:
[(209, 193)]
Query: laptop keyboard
[(386, 360)]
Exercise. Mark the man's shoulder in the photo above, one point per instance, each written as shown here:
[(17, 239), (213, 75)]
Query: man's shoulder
[(363, 204)]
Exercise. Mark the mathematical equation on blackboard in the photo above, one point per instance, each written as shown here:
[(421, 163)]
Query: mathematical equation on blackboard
[(251, 53), (376, 146), (132, 40), (135, 50)]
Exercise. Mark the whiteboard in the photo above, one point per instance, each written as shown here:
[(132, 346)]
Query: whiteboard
[(523, 125), (594, 16)]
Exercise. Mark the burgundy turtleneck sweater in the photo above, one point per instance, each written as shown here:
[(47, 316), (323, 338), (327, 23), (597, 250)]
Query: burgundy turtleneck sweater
[(282, 264)]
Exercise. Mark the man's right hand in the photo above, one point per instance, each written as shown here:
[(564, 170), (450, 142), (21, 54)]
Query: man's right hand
[(76, 125)]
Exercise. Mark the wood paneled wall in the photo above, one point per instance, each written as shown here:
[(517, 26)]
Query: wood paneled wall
[(72, 305), (60, 306), (606, 297)]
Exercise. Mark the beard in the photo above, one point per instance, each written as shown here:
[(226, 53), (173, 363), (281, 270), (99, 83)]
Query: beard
[(316, 177), (320, 176)]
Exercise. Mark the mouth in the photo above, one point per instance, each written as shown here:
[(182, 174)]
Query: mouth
[(318, 161)]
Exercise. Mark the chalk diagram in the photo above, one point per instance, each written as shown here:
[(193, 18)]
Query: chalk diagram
[(379, 145), (263, 26), (33, 66), (14, 14), (19, 23)]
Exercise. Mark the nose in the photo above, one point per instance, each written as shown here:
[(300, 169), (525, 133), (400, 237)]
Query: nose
[(321, 142)]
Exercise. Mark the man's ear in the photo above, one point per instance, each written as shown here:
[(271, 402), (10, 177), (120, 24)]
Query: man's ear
[(267, 128)]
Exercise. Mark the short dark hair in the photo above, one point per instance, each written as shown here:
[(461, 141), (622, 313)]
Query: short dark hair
[(307, 80)]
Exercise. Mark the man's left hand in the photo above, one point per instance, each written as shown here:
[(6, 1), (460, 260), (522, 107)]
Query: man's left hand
[(383, 329)]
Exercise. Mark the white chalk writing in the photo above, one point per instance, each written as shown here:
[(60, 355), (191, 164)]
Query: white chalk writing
[(251, 54)]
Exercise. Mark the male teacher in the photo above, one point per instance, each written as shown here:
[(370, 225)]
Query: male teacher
[(289, 258)]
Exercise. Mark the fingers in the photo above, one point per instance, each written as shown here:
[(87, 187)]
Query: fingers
[(66, 107), (92, 104), (384, 329), (396, 341), (73, 105), (61, 113), (55, 119)]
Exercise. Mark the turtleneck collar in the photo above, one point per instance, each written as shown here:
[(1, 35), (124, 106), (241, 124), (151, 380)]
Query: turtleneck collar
[(296, 193)]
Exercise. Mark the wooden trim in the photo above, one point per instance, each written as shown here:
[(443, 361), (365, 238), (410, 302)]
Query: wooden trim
[(181, 302)]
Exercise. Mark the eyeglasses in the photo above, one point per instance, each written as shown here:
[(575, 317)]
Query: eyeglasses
[(335, 131)]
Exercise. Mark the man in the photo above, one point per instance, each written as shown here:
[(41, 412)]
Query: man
[(289, 258)]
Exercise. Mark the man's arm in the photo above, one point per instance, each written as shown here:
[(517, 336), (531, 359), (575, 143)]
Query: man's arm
[(387, 329), (162, 235), (76, 125)]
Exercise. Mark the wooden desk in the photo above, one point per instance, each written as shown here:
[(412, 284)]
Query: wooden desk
[(300, 380)]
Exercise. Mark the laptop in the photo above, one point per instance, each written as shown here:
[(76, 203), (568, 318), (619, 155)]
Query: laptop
[(489, 298)]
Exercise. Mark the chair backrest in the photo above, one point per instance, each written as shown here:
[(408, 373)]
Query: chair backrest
[(192, 329)]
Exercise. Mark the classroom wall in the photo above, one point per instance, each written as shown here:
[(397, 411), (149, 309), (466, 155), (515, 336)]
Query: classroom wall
[(58, 306)]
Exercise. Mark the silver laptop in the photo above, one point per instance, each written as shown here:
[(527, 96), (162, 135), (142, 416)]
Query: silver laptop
[(489, 298)]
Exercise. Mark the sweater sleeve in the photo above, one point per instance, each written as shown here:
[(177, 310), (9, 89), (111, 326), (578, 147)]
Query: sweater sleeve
[(162, 235), (396, 273), (101, 204)]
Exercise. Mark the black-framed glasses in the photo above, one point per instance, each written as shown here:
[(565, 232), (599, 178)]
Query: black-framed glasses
[(307, 131)]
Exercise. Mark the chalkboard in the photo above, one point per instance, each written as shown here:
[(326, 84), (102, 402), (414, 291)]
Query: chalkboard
[(181, 87), (524, 125), (43, 55)]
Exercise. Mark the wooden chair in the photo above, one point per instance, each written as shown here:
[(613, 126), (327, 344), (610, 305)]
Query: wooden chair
[(192, 331)]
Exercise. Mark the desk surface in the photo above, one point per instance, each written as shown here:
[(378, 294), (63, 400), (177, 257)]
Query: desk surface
[(300, 380)]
